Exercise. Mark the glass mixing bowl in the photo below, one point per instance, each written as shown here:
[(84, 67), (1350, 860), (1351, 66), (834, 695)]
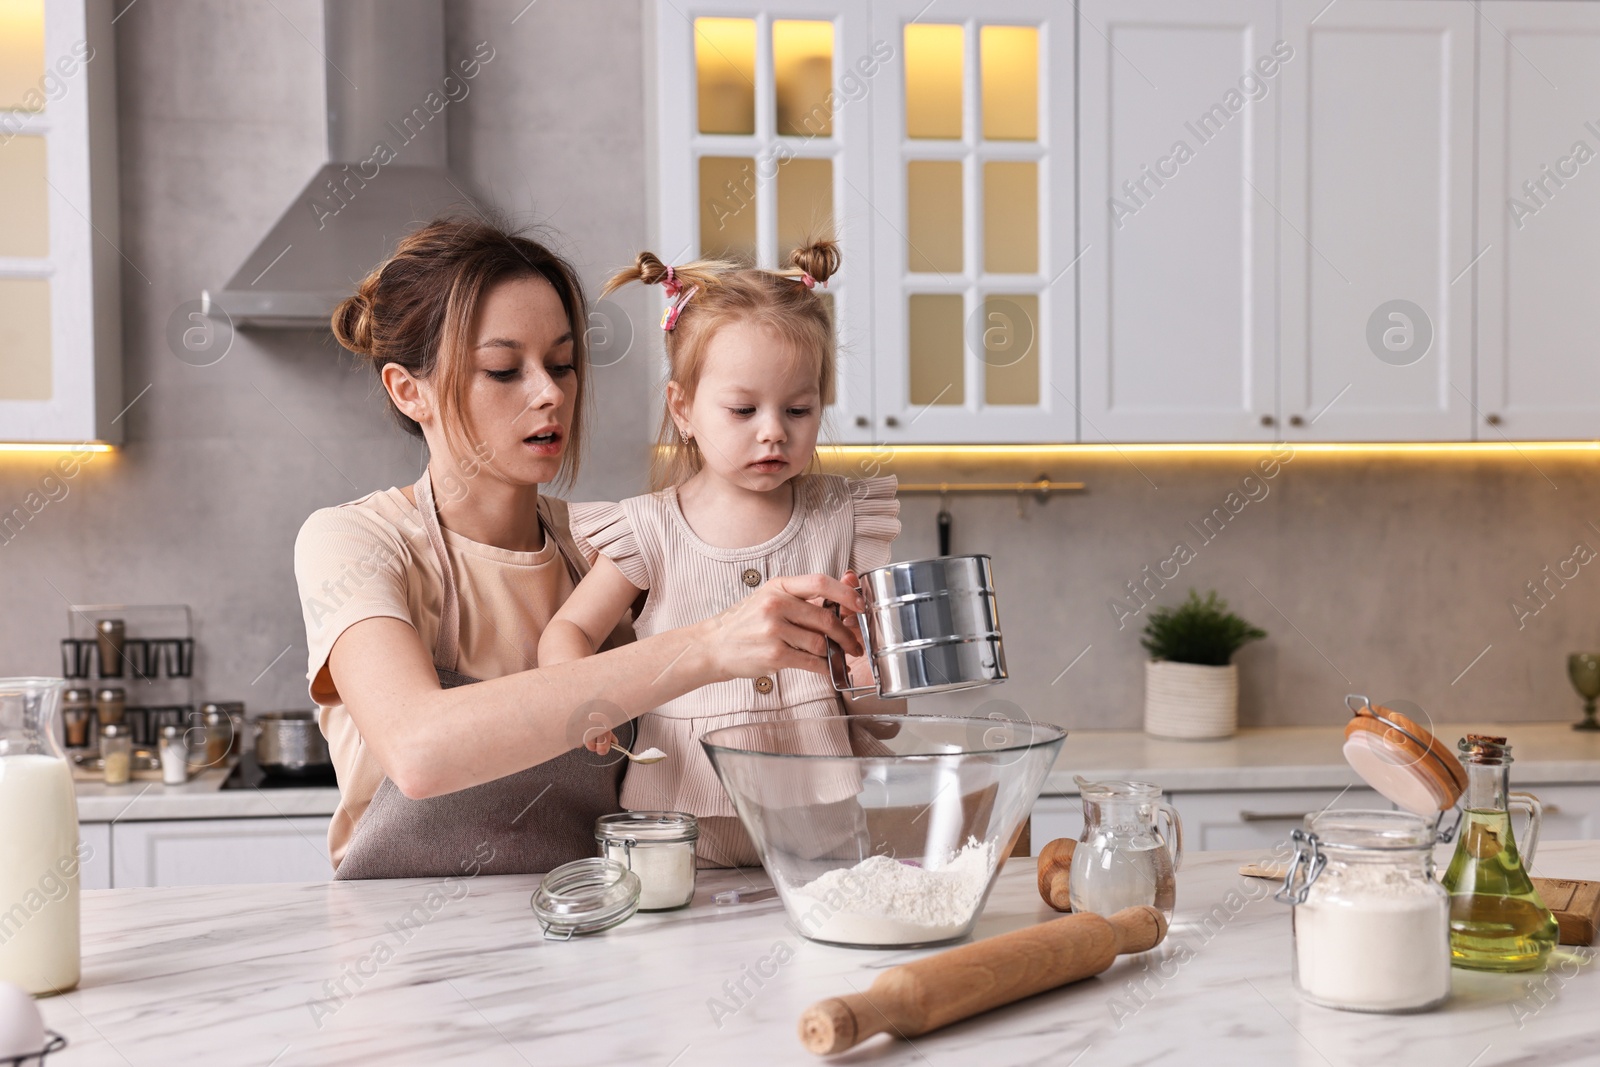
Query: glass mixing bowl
[(884, 831)]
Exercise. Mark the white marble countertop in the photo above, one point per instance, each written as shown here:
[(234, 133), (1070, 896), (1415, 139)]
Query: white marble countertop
[(1300, 757), (201, 797), (455, 972)]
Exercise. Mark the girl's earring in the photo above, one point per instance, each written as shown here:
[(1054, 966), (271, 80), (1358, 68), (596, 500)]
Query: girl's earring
[(683, 434)]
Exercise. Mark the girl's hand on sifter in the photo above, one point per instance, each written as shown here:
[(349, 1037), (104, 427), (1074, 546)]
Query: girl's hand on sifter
[(782, 624)]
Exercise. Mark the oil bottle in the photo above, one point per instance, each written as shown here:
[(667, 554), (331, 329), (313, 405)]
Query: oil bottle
[(1497, 921)]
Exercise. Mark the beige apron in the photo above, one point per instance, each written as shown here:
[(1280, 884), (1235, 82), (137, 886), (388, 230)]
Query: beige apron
[(524, 823)]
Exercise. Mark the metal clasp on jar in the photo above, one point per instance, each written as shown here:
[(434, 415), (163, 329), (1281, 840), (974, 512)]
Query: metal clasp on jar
[(1304, 867)]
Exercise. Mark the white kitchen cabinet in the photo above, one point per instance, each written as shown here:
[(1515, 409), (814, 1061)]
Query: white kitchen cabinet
[(1258, 819), (1178, 155), (220, 851), (94, 869), (1539, 219), (1571, 812), (1377, 184), (1056, 817), (60, 264), (972, 177)]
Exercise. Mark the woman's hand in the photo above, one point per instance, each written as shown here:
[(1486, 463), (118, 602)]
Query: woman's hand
[(599, 741), (782, 624)]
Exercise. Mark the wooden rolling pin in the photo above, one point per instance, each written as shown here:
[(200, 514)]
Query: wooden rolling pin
[(1055, 869), (914, 998)]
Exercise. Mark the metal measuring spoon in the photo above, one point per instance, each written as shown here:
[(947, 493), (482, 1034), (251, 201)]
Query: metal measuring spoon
[(648, 756)]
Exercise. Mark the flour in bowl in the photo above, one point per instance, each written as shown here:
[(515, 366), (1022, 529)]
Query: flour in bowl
[(884, 901)]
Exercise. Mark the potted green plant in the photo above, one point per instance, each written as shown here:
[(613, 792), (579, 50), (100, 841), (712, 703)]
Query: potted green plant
[(1191, 684)]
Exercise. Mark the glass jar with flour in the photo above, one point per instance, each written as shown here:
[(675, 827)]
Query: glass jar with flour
[(658, 846), (1371, 923)]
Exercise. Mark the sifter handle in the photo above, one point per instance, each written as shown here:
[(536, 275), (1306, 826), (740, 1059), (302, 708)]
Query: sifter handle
[(839, 669)]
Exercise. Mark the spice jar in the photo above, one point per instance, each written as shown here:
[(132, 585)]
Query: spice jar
[(174, 756), (111, 704), (1371, 924), (219, 733), (77, 705), (116, 753), (110, 636), (658, 846)]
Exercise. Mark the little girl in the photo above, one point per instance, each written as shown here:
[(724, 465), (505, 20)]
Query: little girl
[(751, 355)]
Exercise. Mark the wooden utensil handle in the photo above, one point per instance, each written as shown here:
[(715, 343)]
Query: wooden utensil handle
[(1055, 872), (915, 998)]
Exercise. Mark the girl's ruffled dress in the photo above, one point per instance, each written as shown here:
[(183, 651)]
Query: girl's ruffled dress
[(837, 524)]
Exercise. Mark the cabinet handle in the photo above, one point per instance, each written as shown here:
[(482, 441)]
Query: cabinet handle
[(1267, 420), (1492, 419), (862, 422), (890, 421), (1297, 420), (1272, 816)]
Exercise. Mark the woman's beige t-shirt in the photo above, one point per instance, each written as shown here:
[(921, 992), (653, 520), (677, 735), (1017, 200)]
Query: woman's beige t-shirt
[(370, 559)]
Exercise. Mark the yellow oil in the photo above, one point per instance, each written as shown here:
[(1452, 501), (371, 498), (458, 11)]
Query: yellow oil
[(1497, 921)]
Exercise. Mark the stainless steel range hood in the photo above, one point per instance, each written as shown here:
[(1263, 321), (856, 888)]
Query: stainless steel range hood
[(388, 104)]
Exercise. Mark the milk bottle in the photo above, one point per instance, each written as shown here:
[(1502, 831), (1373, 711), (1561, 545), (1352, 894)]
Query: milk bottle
[(38, 841)]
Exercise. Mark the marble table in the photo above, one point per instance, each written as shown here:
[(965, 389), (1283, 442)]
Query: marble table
[(456, 972)]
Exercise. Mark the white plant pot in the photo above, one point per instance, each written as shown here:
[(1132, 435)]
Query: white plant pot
[(1190, 701)]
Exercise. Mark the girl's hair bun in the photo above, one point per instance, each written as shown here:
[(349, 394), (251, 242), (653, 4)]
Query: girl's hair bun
[(819, 258), (352, 319)]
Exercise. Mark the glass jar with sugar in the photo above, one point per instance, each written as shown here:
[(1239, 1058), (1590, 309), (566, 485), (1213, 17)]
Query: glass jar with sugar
[(658, 846), (1371, 923)]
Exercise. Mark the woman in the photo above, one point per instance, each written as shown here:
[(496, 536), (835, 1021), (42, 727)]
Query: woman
[(411, 594)]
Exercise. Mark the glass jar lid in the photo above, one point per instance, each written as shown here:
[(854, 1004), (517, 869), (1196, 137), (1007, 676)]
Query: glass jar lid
[(585, 897), (1405, 763), (646, 827)]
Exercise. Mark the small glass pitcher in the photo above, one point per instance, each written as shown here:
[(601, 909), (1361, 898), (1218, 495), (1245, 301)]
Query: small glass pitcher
[(1123, 859)]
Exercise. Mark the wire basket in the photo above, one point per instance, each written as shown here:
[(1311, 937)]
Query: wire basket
[(54, 1042)]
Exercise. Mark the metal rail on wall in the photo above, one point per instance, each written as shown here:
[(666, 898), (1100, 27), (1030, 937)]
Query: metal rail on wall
[(1041, 487)]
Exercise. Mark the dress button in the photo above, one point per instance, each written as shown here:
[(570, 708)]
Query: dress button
[(763, 684), (751, 576)]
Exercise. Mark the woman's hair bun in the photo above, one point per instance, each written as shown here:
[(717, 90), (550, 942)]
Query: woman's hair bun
[(819, 258), (352, 320)]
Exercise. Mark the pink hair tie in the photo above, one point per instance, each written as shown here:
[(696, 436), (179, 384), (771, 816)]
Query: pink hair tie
[(808, 281), (671, 284), (669, 317)]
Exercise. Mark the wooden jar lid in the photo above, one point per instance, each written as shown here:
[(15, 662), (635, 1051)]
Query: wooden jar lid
[(1402, 761)]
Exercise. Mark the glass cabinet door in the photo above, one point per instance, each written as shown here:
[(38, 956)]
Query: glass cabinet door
[(764, 147), (25, 334), (974, 332)]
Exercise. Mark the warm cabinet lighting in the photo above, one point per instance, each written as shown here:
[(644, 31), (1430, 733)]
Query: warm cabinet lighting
[(21, 53), (886, 450), (934, 69), (1009, 61), (725, 68), (802, 72), (55, 446)]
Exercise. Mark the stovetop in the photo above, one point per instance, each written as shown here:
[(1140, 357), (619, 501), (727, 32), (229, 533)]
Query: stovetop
[(249, 775)]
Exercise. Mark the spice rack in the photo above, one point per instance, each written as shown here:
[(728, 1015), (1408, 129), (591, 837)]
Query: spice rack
[(151, 658)]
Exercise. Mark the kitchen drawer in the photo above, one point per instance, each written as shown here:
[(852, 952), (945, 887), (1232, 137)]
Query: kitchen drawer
[(1258, 819), (94, 869), (220, 852), (1571, 812), (1055, 817)]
